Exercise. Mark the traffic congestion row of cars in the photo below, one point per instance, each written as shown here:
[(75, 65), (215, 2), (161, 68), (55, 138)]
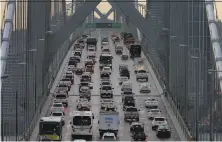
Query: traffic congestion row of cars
[(159, 123), (108, 120)]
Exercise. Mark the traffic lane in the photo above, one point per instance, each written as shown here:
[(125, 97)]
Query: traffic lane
[(140, 101)]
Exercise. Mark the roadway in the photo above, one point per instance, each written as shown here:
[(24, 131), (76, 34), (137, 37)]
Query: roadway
[(124, 134)]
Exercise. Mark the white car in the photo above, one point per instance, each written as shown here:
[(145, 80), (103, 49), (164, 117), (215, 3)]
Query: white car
[(158, 121), (82, 101), (71, 68), (105, 41), (107, 70), (151, 103), (58, 113), (154, 113), (57, 106), (144, 88), (108, 137)]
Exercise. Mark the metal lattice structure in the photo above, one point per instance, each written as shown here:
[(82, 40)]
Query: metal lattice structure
[(178, 45)]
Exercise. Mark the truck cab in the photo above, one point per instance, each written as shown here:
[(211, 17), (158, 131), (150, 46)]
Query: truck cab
[(108, 122), (50, 128), (82, 125)]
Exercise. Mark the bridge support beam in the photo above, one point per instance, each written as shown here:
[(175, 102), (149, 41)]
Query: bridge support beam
[(127, 8)]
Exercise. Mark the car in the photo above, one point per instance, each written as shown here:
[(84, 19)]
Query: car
[(158, 121), (138, 136), (71, 68), (92, 49), (61, 97), (105, 41), (88, 84), (66, 81), (85, 89), (75, 59), (81, 101), (106, 50), (144, 88), (58, 113), (63, 87), (92, 57), (78, 53), (105, 83), (107, 69), (108, 137), (104, 75), (57, 106), (89, 68), (124, 57), (123, 79), (79, 71), (85, 77), (89, 62), (83, 107), (163, 131), (151, 103), (153, 113), (104, 102), (127, 86), (106, 88), (136, 127)]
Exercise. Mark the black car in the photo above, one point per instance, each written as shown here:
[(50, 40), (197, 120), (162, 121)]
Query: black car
[(78, 53), (128, 101), (79, 71), (125, 72), (72, 62), (104, 75), (139, 136), (75, 59), (136, 127), (163, 131)]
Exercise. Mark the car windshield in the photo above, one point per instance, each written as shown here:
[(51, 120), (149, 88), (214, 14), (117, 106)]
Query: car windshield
[(91, 49), (105, 40), (83, 100), (105, 50), (91, 57), (141, 71), (106, 69), (57, 114), (108, 138), (65, 79), (49, 128), (159, 119), (61, 96), (82, 120), (106, 88), (57, 105), (84, 84), (105, 58), (85, 76), (132, 109), (154, 110), (151, 99), (62, 85), (105, 83)]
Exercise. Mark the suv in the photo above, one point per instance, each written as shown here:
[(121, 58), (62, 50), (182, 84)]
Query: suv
[(87, 84), (85, 77), (106, 91)]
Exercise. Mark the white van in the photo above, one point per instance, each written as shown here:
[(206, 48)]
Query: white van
[(126, 86)]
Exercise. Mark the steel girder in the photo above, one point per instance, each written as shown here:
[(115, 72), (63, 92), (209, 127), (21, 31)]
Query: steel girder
[(127, 8)]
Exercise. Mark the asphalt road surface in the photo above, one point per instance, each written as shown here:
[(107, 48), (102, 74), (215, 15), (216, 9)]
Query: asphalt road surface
[(124, 134)]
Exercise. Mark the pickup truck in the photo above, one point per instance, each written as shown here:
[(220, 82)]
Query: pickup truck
[(109, 122), (131, 114)]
